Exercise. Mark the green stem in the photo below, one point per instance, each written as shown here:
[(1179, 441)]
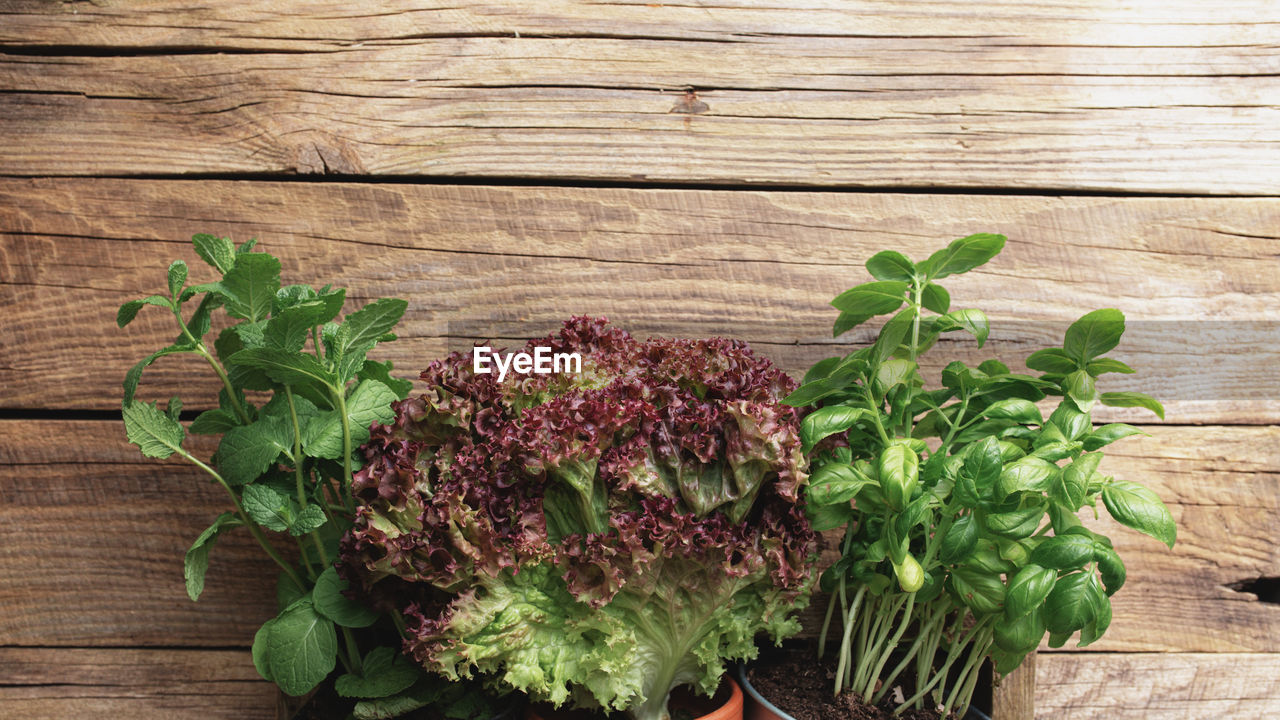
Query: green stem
[(927, 630), (892, 645), (963, 691), (244, 518), (917, 291), (955, 427), (202, 351), (299, 474), (353, 652), (341, 399), (845, 658), (952, 655), (875, 414)]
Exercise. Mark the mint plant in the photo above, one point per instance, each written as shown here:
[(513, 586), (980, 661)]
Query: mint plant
[(960, 504), (286, 464)]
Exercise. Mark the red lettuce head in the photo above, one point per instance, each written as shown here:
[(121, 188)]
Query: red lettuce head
[(556, 532)]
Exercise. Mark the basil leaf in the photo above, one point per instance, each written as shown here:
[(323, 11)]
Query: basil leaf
[(1107, 434), (960, 540), (1132, 399), (1027, 590), (1137, 507), (962, 255), (1070, 606), (890, 265), (1106, 365), (1079, 386), (1020, 410), (1093, 334), (971, 321), (1051, 360), (981, 591), (828, 421), (1063, 552), (873, 298), (936, 298)]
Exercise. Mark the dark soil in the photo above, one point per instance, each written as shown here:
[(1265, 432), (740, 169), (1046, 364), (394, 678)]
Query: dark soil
[(794, 680)]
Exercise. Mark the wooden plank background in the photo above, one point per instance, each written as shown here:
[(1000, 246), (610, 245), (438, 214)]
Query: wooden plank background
[(685, 168)]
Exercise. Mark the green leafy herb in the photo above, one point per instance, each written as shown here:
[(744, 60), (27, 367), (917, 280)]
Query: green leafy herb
[(978, 526)]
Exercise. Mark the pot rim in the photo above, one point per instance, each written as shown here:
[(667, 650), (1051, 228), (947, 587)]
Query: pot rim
[(973, 713)]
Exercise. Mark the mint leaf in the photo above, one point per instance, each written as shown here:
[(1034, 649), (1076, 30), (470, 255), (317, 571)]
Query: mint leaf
[(285, 367), (134, 376), (370, 402), (301, 648), (247, 451), (218, 252), (177, 277), (322, 435), (268, 507), (129, 310), (332, 603), (156, 434), (213, 422), (360, 331), (250, 285), (386, 672), (260, 659), (289, 328), (202, 318), (196, 562), (373, 370), (310, 518)]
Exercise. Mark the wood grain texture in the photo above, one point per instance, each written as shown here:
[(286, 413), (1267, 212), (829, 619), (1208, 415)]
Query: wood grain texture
[(92, 539), (1157, 686), (104, 531), (1014, 696), (62, 683), (1233, 29), (1149, 97), (1197, 278)]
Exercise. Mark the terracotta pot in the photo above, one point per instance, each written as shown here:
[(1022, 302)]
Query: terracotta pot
[(730, 710), (758, 708)]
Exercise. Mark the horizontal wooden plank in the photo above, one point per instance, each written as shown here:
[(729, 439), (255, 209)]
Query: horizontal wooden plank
[(1194, 276), (92, 539), (1148, 98), (102, 530), (165, 684), (1236, 30), (1170, 686)]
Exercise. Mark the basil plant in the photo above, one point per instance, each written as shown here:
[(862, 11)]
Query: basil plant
[(959, 500)]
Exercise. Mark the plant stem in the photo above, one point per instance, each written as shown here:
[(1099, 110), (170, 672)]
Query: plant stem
[(353, 651), (244, 518), (848, 633), (203, 351), (891, 646), (340, 396)]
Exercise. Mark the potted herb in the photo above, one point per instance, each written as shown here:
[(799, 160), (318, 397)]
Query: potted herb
[(959, 503), (597, 538), (298, 398)]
